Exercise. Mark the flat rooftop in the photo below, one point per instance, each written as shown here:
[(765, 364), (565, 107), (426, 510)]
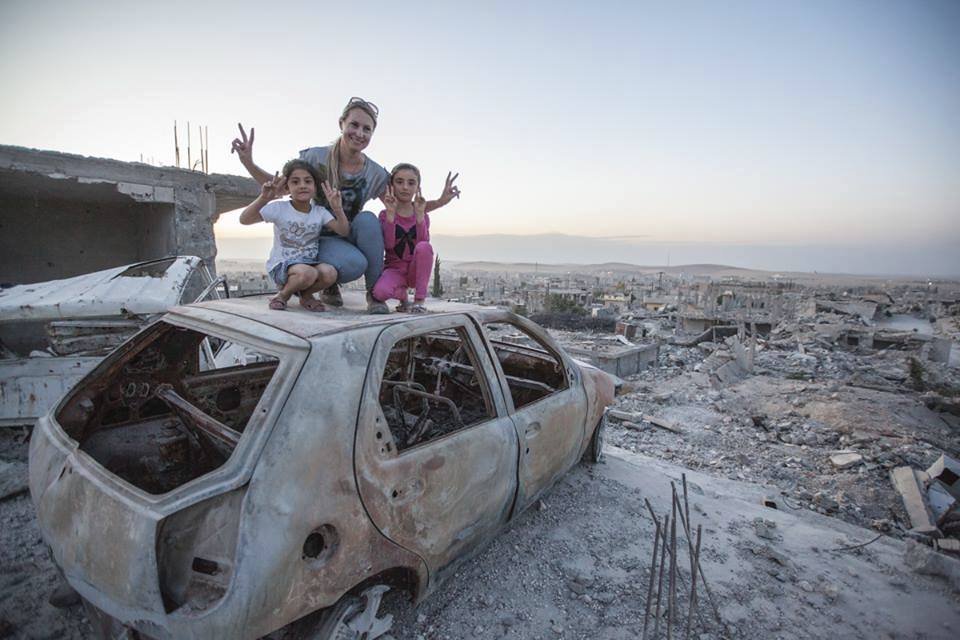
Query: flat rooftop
[(305, 324)]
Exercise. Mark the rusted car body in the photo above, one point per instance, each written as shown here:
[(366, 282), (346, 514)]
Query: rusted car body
[(231, 469)]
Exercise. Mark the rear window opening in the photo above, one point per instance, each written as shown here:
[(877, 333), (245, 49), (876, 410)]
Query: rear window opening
[(532, 371), (169, 409)]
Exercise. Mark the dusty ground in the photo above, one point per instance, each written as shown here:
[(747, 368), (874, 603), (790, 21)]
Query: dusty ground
[(576, 567)]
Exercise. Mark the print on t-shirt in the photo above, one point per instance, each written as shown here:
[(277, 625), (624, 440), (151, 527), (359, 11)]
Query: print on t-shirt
[(351, 196), (292, 236)]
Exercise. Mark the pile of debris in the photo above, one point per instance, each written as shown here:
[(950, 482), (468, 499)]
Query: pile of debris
[(824, 426), (930, 498)]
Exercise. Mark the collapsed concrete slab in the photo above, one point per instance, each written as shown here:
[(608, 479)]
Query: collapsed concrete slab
[(64, 215)]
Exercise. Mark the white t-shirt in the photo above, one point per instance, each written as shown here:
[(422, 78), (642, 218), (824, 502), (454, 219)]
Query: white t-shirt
[(295, 234)]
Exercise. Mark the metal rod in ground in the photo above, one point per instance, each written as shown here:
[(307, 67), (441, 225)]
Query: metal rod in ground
[(653, 570), (672, 584), (685, 519), (663, 555), (663, 537), (703, 578), (694, 561)]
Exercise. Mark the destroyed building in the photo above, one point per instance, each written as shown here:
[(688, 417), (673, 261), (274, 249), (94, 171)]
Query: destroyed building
[(93, 249), (64, 215)]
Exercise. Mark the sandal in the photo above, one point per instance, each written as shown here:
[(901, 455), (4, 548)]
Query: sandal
[(403, 307), (417, 307), (278, 304), (311, 304)]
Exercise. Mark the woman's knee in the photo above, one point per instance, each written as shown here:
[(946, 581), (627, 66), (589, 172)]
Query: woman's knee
[(352, 266), (365, 223), (367, 233)]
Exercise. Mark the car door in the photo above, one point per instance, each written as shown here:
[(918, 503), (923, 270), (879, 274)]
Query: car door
[(443, 494), (544, 393)]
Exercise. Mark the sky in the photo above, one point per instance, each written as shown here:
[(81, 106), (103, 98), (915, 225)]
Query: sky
[(765, 124)]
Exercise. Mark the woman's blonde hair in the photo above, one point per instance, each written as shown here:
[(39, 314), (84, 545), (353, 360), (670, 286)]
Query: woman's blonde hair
[(333, 158)]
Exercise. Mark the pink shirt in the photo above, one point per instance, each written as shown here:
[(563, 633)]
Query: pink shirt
[(402, 235)]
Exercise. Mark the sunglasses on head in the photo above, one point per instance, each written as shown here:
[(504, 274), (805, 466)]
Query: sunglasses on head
[(355, 101)]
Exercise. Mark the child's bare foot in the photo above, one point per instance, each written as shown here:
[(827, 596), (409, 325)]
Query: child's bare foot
[(278, 304)]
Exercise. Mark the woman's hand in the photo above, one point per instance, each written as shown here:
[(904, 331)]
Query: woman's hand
[(274, 188), (243, 146), (450, 190), (420, 206), (389, 203)]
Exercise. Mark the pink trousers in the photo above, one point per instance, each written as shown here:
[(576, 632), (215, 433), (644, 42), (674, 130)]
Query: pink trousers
[(399, 275)]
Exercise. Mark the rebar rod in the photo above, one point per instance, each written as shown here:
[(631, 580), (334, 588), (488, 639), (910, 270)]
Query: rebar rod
[(703, 578), (694, 562), (672, 592), (663, 555), (653, 569)]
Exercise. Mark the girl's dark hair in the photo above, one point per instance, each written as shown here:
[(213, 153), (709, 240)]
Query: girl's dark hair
[(405, 166), (319, 174)]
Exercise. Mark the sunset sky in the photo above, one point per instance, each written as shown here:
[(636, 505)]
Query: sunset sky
[(820, 122)]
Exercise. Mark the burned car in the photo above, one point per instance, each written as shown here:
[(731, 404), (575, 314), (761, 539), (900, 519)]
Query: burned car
[(232, 469)]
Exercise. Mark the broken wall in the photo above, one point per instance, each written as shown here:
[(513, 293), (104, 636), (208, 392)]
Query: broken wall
[(63, 215)]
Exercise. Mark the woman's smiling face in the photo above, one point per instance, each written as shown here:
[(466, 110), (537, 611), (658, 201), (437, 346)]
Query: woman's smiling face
[(356, 129)]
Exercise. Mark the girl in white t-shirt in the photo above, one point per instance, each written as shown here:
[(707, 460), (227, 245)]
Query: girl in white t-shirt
[(297, 222)]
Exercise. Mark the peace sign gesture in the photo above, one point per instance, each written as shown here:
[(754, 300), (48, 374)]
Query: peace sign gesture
[(333, 197), (389, 202), (243, 146), (274, 188), (450, 190), (420, 206)]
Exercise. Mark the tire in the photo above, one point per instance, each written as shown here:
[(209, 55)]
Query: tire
[(354, 617), (594, 452)]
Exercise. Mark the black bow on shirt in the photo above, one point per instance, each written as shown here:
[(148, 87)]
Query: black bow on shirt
[(406, 239)]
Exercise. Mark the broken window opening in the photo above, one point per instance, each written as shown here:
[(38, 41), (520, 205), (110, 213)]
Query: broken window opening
[(531, 369), (171, 408), (431, 388)]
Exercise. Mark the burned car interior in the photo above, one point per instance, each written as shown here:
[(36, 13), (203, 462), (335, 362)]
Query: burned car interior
[(170, 410), (431, 388)]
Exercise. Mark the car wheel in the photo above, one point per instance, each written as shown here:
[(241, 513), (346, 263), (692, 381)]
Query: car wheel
[(355, 617), (594, 452)]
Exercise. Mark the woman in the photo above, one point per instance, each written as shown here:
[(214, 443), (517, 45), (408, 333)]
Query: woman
[(358, 179)]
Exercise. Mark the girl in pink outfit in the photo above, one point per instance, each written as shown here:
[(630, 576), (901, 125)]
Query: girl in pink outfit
[(406, 240)]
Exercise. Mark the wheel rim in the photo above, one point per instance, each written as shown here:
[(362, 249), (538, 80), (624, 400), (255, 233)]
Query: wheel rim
[(359, 621)]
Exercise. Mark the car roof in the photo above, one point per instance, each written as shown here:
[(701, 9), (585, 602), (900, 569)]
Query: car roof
[(307, 324)]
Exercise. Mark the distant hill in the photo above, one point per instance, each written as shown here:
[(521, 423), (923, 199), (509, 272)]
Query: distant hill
[(640, 255)]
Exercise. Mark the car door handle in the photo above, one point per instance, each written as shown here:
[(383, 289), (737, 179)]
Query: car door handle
[(532, 430)]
